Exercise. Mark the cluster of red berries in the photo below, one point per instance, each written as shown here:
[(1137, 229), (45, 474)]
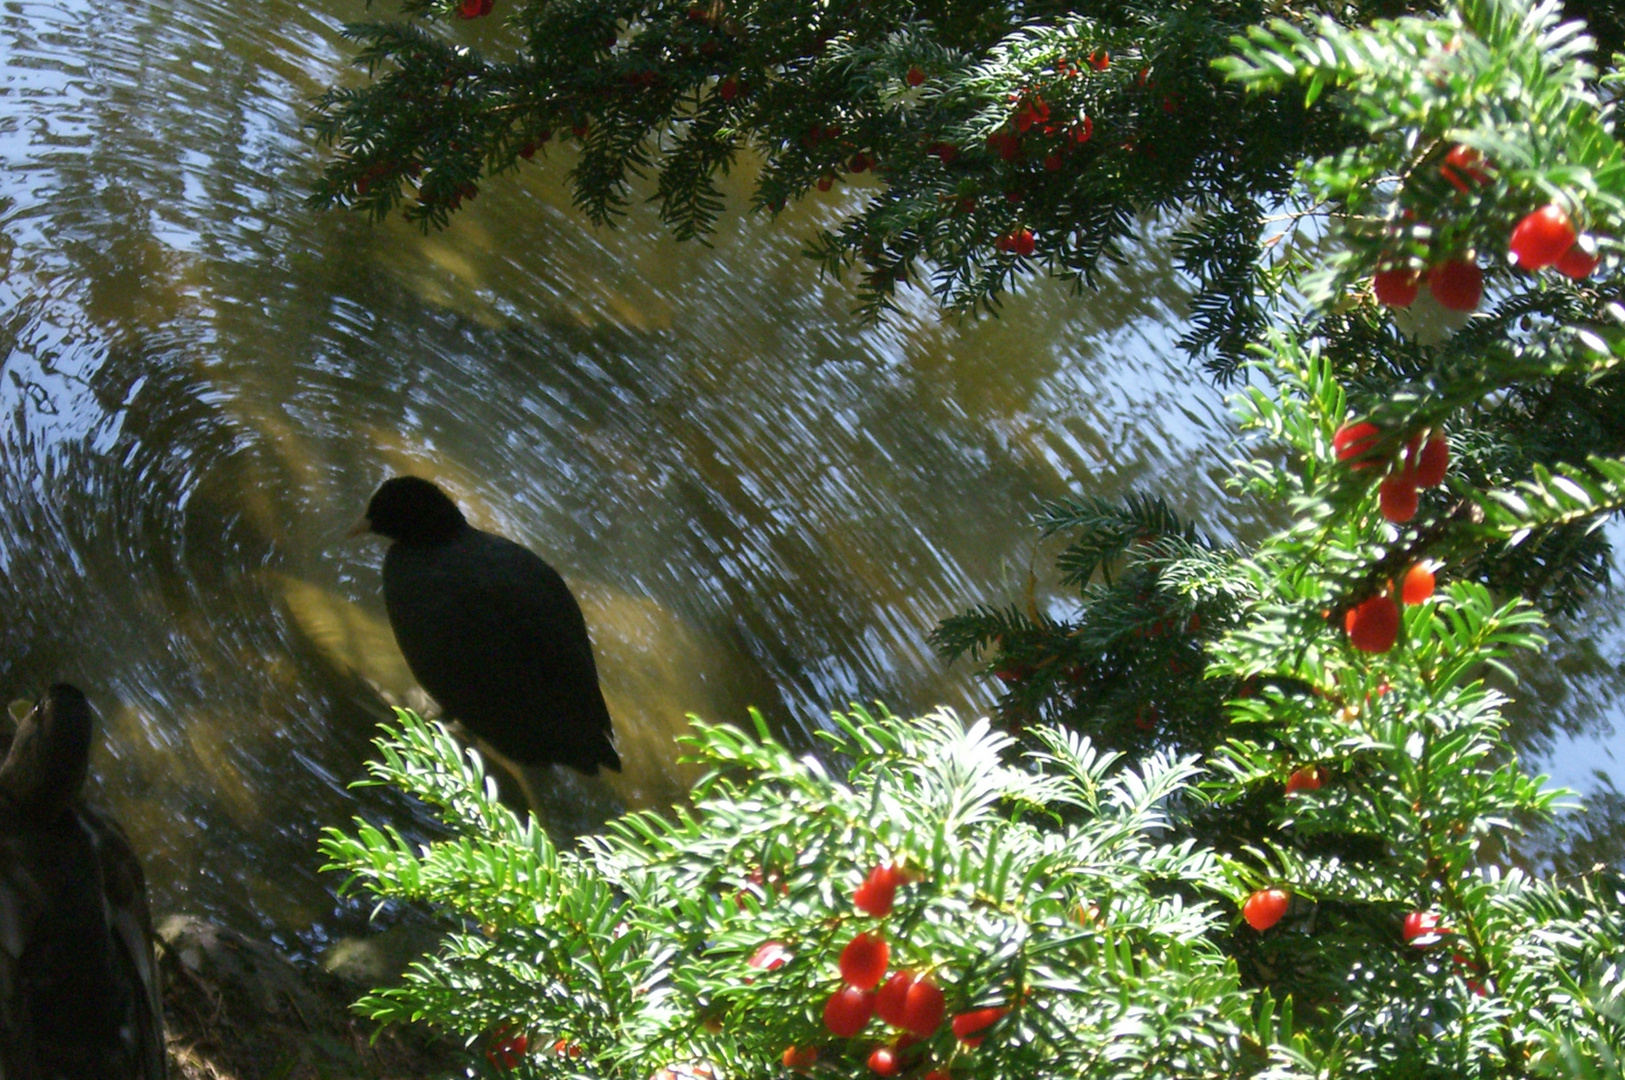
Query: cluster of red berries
[(377, 171), (1031, 110), (1547, 237), (1007, 143), (909, 1000), (1422, 464), (1373, 624), (1544, 237), (1266, 907), (1017, 242), (1423, 930), (861, 161), (509, 1046)]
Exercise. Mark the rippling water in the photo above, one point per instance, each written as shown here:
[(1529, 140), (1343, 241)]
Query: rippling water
[(759, 500)]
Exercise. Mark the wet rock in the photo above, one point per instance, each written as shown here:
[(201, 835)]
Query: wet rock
[(379, 959), (251, 972)]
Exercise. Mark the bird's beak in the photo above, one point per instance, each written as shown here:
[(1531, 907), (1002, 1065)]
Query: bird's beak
[(360, 528)]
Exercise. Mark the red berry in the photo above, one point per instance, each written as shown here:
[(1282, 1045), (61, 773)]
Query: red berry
[(1264, 908), (729, 88), (1355, 442), (469, 9), (1421, 924), (879, 889), (1432, 461), (1542, 237), (1417, 585), (1577, 262), (1396, 288), (1007, 144), (863, 961), (859, 162), (892, 996), (1018, 242), (528, 151), (848, 1010), (799, 1058), (1053, 161), (507, 1051), (923, 1008), (1396, 495), (935, 1074), (825, 182), (945, 150), (915, 76), (1307, 778), (1462, 167), (1100, 60), (1084, 131), (769, 956), (1373, 626), (883, 1061), (1457, 284), (968, 1026)]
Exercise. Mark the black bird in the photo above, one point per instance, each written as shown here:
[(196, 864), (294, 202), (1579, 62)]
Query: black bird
[(490, 631), (79, 991)]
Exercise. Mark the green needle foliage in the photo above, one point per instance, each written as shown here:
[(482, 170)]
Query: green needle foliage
[(1045, 883), (1057, 885)]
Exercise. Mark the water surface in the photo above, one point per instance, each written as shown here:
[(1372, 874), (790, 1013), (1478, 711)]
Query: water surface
[(759, 499)]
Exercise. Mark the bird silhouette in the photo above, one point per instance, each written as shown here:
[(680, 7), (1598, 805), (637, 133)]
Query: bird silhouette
[(490, 631), (79, 991)]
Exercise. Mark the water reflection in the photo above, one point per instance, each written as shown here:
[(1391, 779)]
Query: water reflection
[(759, 501)]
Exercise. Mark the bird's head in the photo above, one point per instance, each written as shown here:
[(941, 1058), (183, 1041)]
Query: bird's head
[(412, 511), (50, 754)]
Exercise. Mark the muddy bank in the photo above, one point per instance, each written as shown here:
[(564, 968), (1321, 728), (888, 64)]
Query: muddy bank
[(237, 1009)]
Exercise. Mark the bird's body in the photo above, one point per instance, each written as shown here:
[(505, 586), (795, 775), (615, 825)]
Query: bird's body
[(491, 632), (79, 993)]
